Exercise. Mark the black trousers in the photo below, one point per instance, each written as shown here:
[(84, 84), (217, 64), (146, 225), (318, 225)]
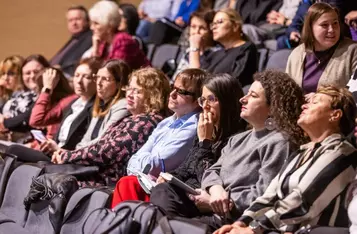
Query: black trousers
[(176, 203), (25, 154), (161, 33)]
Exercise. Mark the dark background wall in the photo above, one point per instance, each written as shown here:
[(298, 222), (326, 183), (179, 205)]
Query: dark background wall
[(35, 26)]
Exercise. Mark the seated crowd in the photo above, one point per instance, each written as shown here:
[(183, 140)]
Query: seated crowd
[(266, 151)]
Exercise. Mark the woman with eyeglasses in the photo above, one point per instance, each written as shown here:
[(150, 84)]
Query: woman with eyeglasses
[(16, 111), (147, 97), (65, 117), (249, 161), (238, 56), (53, 114), (10, 77)]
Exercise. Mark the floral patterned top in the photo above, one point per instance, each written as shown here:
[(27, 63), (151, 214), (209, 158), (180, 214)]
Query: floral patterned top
[(19, 103), (112, 151)]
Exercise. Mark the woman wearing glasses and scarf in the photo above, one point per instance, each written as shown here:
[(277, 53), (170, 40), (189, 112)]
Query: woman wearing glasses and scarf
[(238, 57)]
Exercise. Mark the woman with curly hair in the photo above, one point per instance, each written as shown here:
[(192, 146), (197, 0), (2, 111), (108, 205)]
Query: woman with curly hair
[(311, 188), (250, 160), (147, 101)]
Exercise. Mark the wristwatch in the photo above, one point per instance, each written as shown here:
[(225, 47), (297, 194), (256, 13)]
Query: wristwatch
[(206, 144), (194, 49), (255, 226), (46, 90)]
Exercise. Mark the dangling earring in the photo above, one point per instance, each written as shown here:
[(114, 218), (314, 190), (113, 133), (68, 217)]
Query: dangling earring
[(270, 123)]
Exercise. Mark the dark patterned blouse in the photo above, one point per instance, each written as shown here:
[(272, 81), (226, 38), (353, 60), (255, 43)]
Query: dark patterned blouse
[(113, 150)]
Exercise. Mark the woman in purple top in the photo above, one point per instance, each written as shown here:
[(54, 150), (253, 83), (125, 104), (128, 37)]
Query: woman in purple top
[(324, 57)]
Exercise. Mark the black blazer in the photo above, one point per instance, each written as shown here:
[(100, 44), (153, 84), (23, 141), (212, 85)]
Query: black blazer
[(70, 59), (78, 127)]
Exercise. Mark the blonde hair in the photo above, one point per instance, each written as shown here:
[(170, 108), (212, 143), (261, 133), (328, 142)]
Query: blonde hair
[(343, 100), (13, 63), (106, 13), (233, 16), (156, 89)]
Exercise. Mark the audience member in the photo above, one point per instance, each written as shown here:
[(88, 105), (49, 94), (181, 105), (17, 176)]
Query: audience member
[(17, 110), (10, 77), (147, 102), (317, 61), (81, 40), (199, 31), (165, 30), (220, 119), (54, 98), (129, 23), (276, 23), (110, 102), (170, 142), (238, 56), (351, 21), (152, 10), (292, 35), (312, 186), (108, 42), (250, 160), (75, 116)]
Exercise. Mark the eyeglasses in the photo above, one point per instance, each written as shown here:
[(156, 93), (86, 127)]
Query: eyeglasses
[(9, 73), (103, 78), (211, 99), (217, 22), (183, 92), (134, 91)]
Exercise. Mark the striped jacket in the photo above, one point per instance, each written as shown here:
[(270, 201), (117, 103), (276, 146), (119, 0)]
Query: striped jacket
[(310, 191)]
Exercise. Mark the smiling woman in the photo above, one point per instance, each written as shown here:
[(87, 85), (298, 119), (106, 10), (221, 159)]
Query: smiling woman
[(316, 61)]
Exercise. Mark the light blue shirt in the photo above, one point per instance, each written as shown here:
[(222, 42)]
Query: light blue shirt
[(168, 145)]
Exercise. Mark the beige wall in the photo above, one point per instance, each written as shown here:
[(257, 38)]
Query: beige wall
[(35, 26)]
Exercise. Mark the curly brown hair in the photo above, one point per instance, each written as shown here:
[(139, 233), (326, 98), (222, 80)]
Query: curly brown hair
[(285, 99)]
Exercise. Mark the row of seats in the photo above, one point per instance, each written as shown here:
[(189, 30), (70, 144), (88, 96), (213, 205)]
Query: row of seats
[(159, 55)]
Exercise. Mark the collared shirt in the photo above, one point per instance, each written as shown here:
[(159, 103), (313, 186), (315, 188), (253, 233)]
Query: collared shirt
[(157, 9), (77, 107), (168, 145)]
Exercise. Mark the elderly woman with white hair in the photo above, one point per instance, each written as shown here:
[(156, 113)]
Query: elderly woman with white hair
[(108, 42)]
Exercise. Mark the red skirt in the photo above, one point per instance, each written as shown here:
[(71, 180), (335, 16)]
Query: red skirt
[(128, 188)]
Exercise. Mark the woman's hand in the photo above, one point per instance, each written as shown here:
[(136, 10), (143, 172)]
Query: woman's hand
[(57, 156), (295, 36), (50, 78), (236, 227), (179, 21), (160, 180), (196, 41), (205, 126), (95, 45), (201, 200), (49, 146), (219, 200)]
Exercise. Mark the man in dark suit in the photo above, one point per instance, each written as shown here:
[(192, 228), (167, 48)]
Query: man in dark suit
[(81, 40)]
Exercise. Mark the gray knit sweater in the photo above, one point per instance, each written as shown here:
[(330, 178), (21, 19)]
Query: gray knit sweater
[(247, 164)]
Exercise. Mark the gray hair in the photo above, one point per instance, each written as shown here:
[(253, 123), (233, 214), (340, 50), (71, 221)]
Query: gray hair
[(105, 13)]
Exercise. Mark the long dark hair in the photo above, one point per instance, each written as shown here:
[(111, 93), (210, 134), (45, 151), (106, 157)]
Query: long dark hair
[(34, 57), (228, 91), (132, 17)]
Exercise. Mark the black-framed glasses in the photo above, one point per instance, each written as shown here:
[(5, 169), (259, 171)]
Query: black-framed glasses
[(211, 99), (133, 90), (183, 92)]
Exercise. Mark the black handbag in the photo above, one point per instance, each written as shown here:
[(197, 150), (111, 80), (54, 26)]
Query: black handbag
[(55, 188), (129, 217)]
